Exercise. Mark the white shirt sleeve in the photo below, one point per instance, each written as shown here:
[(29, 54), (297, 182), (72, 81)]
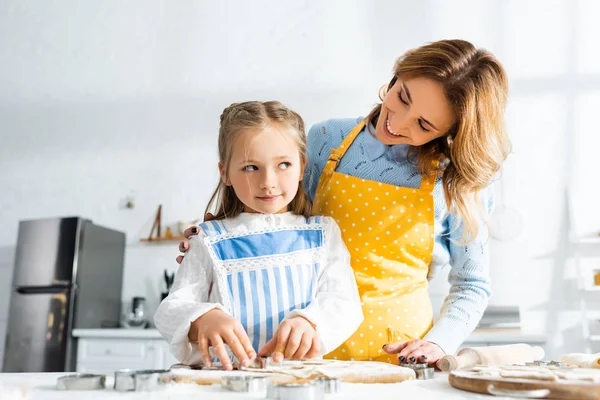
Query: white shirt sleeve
[(187, 301), (336, 310)]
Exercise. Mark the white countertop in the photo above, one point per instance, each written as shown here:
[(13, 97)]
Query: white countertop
[(476, 337), (122, 333), (41, 386), (499, 336)]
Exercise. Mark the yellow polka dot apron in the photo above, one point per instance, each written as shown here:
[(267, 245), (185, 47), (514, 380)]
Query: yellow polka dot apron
[(389, 233)]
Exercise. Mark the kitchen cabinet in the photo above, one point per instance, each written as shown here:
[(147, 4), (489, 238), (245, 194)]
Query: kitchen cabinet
[(99, 350), (102, 350)]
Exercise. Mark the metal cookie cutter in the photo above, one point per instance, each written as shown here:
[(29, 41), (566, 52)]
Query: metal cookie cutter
[(557, 364), (81, 382), (329, 385), (141, 380), (295, 391), (245, 383), (263, 363), (538, 363), (422, 370)]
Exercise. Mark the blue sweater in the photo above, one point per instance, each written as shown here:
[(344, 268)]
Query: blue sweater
[(469, 278)]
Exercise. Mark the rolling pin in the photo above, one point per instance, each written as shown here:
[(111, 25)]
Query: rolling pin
[(582, 360), (493, 355)]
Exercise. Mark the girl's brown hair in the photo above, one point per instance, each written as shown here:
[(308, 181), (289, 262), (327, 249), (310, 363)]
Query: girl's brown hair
[(240, 117), (472, 151)]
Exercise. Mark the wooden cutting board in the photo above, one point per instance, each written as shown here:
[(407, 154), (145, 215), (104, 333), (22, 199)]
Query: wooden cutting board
[(301, 371), (560, 389)]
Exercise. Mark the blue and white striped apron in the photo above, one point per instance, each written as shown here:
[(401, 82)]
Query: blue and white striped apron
[(263, 276)]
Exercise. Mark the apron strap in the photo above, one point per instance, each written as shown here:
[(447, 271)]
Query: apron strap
[(428, 182), (336, 154)]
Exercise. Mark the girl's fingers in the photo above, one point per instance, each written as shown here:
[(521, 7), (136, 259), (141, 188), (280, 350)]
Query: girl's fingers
[(245, 342), (219, 347), (203, 348), (293, 343), (236, 347), (268, 348), (283, 334), (315, 348), (303, 348)]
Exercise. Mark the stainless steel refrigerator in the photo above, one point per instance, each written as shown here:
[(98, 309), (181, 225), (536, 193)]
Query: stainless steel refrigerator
[(68, 274)]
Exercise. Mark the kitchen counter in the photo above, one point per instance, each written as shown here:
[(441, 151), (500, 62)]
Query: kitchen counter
[(506, 336), (487, 336), (121, 333), (41, 386)]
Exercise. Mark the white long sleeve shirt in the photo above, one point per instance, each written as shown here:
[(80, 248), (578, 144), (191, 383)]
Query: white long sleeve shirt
[(262, 269)]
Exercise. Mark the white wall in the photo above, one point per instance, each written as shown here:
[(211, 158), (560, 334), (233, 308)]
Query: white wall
[(104, 99)]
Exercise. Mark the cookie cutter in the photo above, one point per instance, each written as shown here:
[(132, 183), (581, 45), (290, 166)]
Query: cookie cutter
[(263, 363), (141, 380), (538, 363), (422, 370), (295, 391), (81, 382), (245, 383), (329, 384), (557, 364)]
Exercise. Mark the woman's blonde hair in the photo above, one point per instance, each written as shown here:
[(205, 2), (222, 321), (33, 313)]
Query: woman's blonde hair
[(238, 118), (472, 151)]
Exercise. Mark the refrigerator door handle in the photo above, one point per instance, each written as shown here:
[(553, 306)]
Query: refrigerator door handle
[(42, 289)]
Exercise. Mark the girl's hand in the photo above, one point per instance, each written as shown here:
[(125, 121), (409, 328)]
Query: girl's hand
[(295, 338), (184, 245), (415, 351), (216, 328)]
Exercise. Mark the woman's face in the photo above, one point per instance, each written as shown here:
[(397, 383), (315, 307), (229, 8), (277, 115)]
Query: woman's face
[(414, 112)]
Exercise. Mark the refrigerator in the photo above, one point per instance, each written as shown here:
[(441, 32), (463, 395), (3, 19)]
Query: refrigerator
[(68, 274)]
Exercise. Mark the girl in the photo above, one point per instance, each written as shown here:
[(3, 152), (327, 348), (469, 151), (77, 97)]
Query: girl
[(263, 275), (408, 186)]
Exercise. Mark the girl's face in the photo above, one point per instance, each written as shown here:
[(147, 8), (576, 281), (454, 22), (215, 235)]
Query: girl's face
[(264, 170), (414, 112)]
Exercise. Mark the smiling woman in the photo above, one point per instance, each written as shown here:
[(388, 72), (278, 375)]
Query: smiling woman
[(408, 186)]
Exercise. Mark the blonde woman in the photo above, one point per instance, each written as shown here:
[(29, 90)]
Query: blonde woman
[(409, 187)]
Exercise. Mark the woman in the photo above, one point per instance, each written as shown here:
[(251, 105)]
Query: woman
[(408, 186)]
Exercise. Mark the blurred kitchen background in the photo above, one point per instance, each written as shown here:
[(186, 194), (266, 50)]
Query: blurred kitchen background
[(110, 108)]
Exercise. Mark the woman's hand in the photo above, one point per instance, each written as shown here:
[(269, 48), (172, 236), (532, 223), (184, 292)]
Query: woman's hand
[(295, 338), (415, 351), (217, 328), (184, 245)]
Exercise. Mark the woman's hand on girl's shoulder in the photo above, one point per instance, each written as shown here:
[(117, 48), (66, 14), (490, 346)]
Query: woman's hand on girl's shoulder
[(415, 351), (184, 245)]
